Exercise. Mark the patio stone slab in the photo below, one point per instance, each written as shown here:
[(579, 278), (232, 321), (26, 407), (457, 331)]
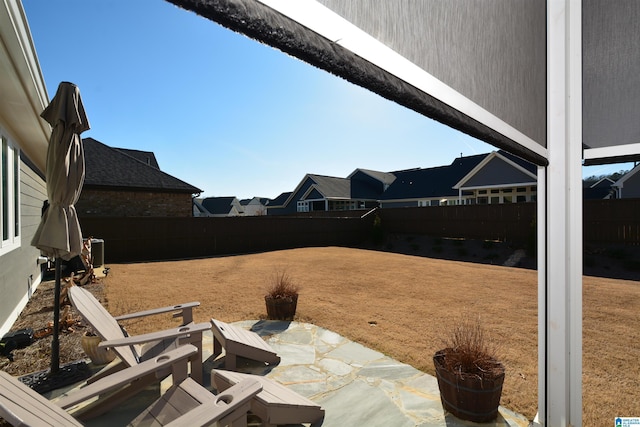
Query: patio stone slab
[(370, 407), (355, 385), (355, 354), (389, 369)]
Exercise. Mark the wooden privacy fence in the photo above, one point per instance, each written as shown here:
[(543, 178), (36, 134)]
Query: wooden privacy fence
[(612, 221), (147, 238), (512, 222)]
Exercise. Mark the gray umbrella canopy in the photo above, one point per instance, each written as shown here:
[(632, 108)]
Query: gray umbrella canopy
[(59, 234)]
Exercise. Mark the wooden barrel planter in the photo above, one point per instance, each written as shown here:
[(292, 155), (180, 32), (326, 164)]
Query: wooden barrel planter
[(281, 308), (470, 398), (98, 356)]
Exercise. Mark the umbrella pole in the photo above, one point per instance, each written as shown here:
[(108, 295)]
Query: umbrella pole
[(55, 343)]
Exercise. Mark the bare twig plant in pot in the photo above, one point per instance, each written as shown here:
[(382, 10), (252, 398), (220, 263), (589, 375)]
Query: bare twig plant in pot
[(469, 374), (282, 297)]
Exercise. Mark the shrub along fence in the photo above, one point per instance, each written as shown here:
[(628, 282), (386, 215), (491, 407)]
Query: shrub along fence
[(146, 238)]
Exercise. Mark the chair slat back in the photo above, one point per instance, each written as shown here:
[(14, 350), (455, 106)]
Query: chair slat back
[(102, 322), (20, 405)]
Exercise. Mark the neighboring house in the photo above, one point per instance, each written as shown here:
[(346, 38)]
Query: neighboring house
[(368, 185), (222, 206), (24, 139), (122, 182), (256, 206), (428, 187), (628, 186), (496, 177), (199, 209), (499, 178), (278, 206), (328, 193), (602, 189), (493, 178)]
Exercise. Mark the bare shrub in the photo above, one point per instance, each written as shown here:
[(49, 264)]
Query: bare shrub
[(470, 351), (282, 286)]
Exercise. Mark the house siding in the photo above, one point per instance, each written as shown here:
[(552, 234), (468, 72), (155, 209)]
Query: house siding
[(286, 210), (315, 194), (364, 186), (631, 187), (118, 203), (292, 206), (402, 204), (20, 273), (498, 172)]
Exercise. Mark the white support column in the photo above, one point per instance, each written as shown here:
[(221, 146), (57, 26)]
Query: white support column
[(562, 311), (541, 224)]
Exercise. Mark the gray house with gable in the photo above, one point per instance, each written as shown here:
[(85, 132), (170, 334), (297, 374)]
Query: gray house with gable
[(496, 177), (628, 186), (361, 190)]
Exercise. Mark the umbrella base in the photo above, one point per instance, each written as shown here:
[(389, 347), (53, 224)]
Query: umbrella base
[(71, 373)]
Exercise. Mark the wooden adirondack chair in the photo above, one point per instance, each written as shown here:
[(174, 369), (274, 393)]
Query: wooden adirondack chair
[(185, 403), (275, 404), (238, 342), (132, 350)]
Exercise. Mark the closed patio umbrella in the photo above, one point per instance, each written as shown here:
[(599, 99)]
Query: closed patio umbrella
[(58, 235)]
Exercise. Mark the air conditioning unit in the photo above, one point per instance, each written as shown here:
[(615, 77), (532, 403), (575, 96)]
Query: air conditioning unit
[(97, 252)]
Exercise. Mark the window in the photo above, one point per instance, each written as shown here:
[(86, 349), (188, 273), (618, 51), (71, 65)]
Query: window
[(9, 195), (303, 206)]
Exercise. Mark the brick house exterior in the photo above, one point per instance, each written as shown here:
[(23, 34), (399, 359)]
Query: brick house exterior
[(122, 182)]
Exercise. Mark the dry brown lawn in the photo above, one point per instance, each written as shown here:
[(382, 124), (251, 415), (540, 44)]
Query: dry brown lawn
[(403, 306)]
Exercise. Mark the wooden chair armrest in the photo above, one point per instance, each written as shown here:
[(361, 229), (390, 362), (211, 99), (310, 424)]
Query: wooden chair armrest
[(126, 376), (181, 310), (229, 405), (193, 328)]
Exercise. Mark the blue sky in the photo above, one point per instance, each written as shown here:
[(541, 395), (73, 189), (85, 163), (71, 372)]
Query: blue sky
[(222, 112)]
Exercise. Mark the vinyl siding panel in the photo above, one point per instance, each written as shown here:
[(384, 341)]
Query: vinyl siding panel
[(631, 187), (19, 272)]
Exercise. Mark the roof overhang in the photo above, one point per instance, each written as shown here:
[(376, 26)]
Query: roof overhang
[(317, 35), (24, 94), (361, 41)]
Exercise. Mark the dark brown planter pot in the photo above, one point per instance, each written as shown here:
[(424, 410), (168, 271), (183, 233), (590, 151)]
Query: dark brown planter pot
[(471, 398), (281, 308)]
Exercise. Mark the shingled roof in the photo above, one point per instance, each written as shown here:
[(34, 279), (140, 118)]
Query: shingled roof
[(221, 205), (146, 157), (280, 200), (118, 168), (431, 182), (332, 187)]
